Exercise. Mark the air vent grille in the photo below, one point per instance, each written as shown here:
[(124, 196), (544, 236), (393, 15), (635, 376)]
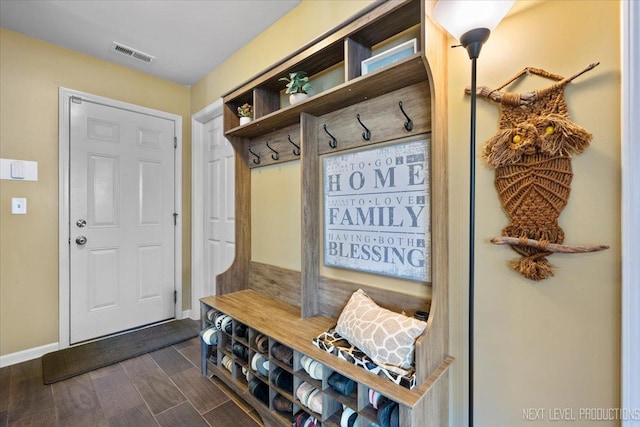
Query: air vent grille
[(131, 52), (121, 49), (142, 57)]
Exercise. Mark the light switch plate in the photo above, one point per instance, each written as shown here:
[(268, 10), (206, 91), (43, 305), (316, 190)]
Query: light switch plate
[(18, 205), (20, 170), (17, 170)]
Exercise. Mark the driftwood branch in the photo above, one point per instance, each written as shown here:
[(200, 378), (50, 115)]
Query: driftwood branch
[(551, 247), (526, 98)]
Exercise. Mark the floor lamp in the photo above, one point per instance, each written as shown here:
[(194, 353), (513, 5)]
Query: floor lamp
[(471, 22)]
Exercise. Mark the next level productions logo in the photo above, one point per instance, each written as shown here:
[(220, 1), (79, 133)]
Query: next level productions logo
[(377, 212), (580, 414)]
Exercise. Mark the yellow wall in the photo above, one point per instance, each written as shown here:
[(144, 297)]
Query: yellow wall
[(554, 343), (31, 72)]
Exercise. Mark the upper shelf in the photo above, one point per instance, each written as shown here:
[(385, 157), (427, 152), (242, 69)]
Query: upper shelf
[(405, 72), (346, 47), (376, 25)]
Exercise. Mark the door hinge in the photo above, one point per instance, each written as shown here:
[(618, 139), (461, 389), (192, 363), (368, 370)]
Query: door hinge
[(175, 142), (76, 99), (175, 218), (175, 297)]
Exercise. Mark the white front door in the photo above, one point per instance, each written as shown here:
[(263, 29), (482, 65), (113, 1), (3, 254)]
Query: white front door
[(219, 207), (121, 219)]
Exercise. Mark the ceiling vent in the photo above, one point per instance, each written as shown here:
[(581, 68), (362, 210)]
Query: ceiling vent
[(131, 52)]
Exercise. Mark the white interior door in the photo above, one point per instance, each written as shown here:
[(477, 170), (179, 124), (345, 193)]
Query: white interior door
[(219, 207), (121, 219)]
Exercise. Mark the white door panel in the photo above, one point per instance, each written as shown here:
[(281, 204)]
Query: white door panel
[(219, 188), (122, 184)]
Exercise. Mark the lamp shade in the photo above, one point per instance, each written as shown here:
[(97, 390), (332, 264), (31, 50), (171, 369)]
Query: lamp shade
[(461, 16)]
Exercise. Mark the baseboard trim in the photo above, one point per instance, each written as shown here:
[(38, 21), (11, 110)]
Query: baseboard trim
[(187, 314), (28, 354)]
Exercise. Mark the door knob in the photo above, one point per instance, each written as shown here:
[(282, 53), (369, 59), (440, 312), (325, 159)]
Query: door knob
[(81, 223), (81, 240)]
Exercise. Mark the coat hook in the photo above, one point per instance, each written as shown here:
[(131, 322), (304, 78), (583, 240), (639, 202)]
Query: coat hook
[(334, 142), (275, 156), (296, 150), (408, 125), (367, 133), (257, 159)]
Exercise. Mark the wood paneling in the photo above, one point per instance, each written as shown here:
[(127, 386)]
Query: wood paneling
[(279, 141), (391, 17), (354, 53), (298, 303), (333, 296), (406, 72), (310, 178), (434, 345), (381, 115), (265, 101), (283, 323), (235, 278), (275, 282)]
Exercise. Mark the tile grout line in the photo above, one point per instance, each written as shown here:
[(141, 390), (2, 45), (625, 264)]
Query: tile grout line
[(138, 391), (229, 398), (178, 388)]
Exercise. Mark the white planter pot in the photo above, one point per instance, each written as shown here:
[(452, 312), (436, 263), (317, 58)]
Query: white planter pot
[(294, 98), (244, 120)]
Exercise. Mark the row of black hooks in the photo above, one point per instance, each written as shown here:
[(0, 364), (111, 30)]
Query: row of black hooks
[(276, 155), (333, 142), (366, 135)]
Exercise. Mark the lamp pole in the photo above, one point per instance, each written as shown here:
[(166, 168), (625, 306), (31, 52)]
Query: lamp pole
[(472, 226), (472, 41), (471, 22)]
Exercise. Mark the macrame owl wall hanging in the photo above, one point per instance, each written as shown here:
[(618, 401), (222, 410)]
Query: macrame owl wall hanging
[(531, 155)]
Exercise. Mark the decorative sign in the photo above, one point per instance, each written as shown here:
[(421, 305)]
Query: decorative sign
[(389, 56), (377, 211)]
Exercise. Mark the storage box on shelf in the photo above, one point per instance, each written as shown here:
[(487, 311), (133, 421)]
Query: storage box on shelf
[(291, 308)]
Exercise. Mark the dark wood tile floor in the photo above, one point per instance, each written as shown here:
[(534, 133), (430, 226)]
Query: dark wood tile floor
[(162, 388)]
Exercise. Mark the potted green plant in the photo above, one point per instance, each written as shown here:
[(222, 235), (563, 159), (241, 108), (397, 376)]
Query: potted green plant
[(245, 112), (297, 86)]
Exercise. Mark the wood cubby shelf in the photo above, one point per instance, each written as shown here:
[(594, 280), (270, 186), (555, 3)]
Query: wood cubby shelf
[(408, 71), (289, 308)]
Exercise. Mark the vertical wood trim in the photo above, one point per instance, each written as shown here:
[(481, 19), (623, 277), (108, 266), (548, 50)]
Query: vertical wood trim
[(434, 346), (310, 170), (264, 102), (354, 54), (236, 277), (230, 117), (422, 41)]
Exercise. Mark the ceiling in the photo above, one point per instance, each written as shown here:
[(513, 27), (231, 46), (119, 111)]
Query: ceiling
[(188, 38)]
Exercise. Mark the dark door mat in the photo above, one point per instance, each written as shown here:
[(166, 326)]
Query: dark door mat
[(62, 364)]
